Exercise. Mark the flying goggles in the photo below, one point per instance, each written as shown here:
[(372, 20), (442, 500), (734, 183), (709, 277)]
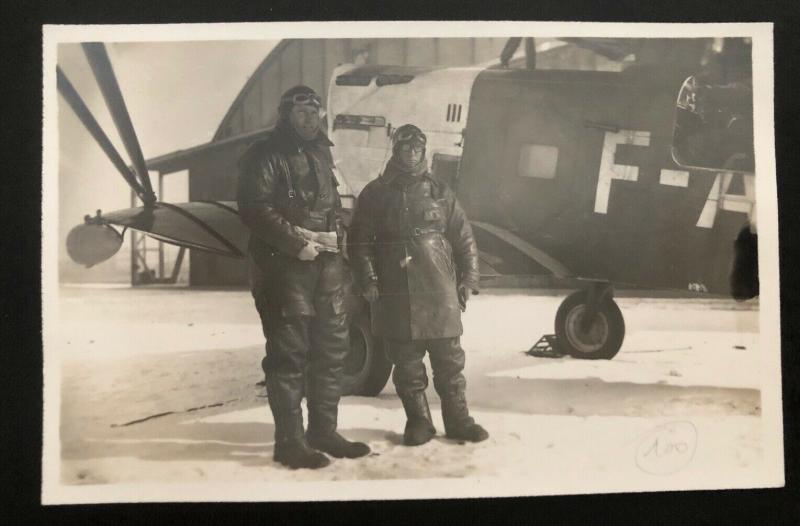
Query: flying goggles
[(304, 98), (414, 137)]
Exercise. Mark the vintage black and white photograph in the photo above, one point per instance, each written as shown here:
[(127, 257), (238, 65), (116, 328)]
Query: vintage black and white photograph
[(294, 261)]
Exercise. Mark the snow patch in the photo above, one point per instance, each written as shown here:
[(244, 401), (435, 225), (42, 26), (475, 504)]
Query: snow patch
[(670, 358), (548, 451), (76, 340)]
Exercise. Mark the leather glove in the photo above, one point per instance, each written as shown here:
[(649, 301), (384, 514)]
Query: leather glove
[(463, 296), (371, 292), (309, 252)]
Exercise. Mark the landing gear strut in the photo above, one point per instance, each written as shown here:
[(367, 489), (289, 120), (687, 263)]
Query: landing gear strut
[(589, 324)]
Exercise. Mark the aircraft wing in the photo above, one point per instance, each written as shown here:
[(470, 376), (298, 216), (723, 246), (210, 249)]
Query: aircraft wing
[(210, 226)]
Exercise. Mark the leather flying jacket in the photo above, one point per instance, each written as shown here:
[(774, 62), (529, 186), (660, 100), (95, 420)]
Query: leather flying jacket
[(284, 182)]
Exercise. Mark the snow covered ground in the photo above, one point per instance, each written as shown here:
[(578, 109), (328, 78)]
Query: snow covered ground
[(678, 407)]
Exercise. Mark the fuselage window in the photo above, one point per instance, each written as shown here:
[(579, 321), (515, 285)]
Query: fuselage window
[(538, 161)]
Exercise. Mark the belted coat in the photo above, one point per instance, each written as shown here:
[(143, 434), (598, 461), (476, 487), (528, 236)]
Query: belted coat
[(411, 237)]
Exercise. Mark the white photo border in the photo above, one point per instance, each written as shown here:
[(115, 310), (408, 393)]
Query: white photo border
[(772, 475)]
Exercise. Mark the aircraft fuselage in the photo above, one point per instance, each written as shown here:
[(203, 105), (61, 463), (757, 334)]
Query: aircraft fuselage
[(575, 163)]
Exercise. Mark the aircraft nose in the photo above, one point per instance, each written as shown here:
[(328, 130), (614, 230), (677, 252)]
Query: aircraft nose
[(90, 244)]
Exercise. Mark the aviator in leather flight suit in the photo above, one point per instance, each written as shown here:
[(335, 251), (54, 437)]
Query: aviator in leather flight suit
[(411, 238), (286, 182)]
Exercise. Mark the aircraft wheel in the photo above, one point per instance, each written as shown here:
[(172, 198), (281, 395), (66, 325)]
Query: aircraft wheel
[(367, 367), (603, 339)]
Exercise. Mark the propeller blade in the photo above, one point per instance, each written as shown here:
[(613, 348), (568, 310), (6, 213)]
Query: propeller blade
[(74, 100), (107, 80)]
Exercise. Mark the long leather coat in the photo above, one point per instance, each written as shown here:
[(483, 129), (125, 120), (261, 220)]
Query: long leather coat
[(410, 235)]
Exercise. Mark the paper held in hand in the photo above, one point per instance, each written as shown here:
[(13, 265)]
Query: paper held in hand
[(328, 241)]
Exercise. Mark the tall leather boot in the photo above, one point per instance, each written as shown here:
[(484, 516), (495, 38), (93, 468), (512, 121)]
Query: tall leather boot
[(419, 425), (291, 448), (322, 433), (447, 359), (458, 425), (330, 341)]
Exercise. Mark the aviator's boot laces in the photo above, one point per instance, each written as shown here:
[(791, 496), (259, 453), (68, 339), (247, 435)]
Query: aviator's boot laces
[(419, 427), (337, 446)]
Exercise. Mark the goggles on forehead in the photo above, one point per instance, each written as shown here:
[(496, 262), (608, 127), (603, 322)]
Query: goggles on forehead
[(410, 136), (304, 98)]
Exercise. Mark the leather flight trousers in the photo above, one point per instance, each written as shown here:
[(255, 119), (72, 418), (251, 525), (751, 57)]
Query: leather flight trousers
[(305, 355), (411, 379)]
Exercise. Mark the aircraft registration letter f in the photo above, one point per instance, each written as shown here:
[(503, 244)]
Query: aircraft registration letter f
[(610, 170)]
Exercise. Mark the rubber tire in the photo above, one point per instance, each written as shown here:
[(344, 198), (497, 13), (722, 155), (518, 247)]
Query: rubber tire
[(608, 309), (372, 373)]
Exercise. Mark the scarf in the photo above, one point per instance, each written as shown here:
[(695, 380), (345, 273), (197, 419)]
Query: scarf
[(397, 171)]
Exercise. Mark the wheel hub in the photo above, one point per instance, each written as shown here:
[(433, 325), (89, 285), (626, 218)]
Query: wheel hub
[(588, 341)]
